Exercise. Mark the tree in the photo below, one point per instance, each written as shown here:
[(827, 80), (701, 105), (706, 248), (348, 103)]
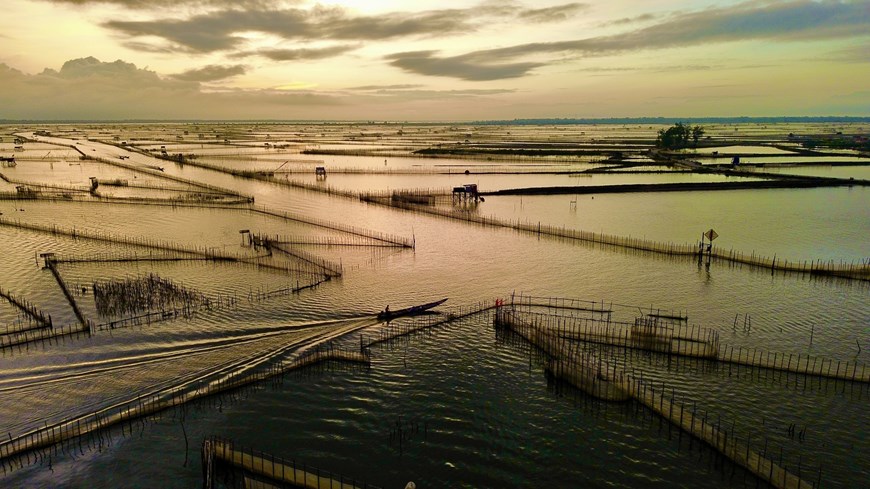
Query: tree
[(697, 132), (678, 135)]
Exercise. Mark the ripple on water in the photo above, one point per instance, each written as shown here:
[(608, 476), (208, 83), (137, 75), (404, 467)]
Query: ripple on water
[(489, 418)]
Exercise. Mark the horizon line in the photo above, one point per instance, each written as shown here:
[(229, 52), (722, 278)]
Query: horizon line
[(523, 120)]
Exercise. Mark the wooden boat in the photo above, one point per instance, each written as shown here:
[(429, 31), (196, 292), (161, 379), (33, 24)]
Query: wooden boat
[(387, 314)]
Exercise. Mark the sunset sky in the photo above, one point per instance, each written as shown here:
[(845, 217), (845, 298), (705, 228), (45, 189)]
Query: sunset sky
[(432, 60)]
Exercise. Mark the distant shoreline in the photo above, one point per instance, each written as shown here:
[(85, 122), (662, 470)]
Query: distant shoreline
[(513, 122), (672, 120)]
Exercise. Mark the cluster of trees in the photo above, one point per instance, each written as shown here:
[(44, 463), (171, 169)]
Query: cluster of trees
[(859, 143), (678, 136)]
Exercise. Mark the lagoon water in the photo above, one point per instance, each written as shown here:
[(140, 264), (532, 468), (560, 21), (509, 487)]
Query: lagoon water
[(483, 412)]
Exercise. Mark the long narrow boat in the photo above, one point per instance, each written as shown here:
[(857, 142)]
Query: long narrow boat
[(409, 311)]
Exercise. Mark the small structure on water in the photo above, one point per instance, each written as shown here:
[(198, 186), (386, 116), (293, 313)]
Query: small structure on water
[(320, 172), (47, 258), (466, 193), (25, 191)]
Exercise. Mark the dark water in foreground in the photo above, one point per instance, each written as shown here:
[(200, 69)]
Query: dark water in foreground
[(477, 412)]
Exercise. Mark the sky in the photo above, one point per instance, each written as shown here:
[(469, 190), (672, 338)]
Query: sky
[(446, 60)]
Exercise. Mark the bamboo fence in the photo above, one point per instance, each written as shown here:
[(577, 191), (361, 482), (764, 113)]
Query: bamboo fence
[(44, 438), (589, 373), (222, 453)]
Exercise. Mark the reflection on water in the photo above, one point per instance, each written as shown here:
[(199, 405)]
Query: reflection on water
[(480, 412), (805, 224), (492, 183), (489, 417)]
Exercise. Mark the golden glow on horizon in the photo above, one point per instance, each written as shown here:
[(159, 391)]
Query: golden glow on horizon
[(296, 86)]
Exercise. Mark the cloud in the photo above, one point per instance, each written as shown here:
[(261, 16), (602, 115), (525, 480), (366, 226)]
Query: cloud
[(89, 89), (802, 20), (416, 91), (552, 14), (9, 73), (632, 20), (851, 54), (210, 35), (470, 66), (298, 54), (219, 30), (147, 47), (756, 20), (671, 69), (90, 68), (784, 21), (365, 88), (152, 4), (210, 73), (680, 68), (215, 31), (511, 10), (419, 94)]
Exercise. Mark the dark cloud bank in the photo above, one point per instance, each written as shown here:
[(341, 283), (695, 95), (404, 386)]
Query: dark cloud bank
[(215, 28), (779, 21), (87, 88)]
